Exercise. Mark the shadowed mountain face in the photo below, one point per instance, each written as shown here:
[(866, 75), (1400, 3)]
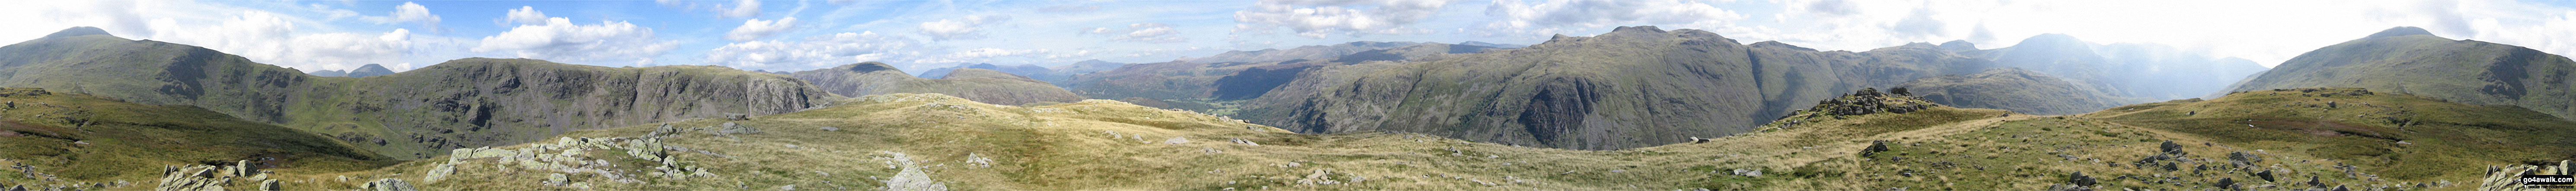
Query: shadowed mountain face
[(2410, 60), (872, 78), (2012, 89), (461, 103), (1635, 86)]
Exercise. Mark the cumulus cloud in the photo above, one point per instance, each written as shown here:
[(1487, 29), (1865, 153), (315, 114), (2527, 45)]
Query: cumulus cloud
[(756, 29), (410, 12), (969, 27), (740, 9), (558, 39), (269, 38), (812, 51), (1320, 18), (1564, 16), (1068, 8), (526, 15), (1140, 32)]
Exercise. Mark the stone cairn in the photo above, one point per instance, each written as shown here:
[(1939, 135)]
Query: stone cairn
[(1864, 102), (208, 177)]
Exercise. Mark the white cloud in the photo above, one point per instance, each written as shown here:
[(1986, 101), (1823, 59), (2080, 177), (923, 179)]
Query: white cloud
[(959, 29), (410, 12), (813, 51), (1320, 18), (1566, 16), (269, 38), (741, 8), (756, 29), (560, 40), (1141, 32), (526, 15)]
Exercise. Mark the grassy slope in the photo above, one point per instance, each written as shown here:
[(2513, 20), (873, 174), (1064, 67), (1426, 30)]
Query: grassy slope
[(1093, 145), (83, 138), (2443, 140), (2012, 89), (2404, 61)]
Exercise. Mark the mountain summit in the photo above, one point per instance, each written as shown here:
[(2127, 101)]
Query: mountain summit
[(78, 31), (2400, 31)]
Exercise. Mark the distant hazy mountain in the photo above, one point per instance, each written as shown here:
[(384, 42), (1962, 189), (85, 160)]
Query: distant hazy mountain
[(2412, 60), (1030, 71), (981, 85), (1236, 80), (1488, 44), (1632, 87), (370, 70), (330, 73), (461, 103), (1311, 52), (2144, 71), (1087, 66), (2012, 89)]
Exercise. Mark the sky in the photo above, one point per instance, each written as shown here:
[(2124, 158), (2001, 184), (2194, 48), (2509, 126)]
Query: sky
[(794, 35)]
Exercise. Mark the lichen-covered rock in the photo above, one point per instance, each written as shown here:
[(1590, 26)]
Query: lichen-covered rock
[(438, 173), (388, 184)]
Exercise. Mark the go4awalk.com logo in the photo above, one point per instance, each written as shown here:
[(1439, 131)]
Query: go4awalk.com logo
[(2549, 181)]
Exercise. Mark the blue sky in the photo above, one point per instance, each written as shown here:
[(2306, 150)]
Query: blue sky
[(785, 35)]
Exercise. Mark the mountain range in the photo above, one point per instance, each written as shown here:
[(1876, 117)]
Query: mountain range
[(1636, 108)]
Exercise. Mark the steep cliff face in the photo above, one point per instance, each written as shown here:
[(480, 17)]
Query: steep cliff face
[(461, 103), (2411, 60), (1635, 86), (981, 85)]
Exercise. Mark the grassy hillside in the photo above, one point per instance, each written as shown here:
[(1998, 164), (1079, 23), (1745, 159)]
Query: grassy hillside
[(1633, 87), (1860, 141), (2012, 89), (2410, 60), (460, 103), (872, 78), (54, 139), (2397, 136)]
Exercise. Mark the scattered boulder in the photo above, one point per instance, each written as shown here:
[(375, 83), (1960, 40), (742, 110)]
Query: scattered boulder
[(1245, 142), (2078, 179), (2266, 175), (1176, 140), (737, 116), (439, 173), (831, 129), (388, 184), (2226, 183), (2242, 158), (2170, 148), (731, 128), (1874, 148)]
